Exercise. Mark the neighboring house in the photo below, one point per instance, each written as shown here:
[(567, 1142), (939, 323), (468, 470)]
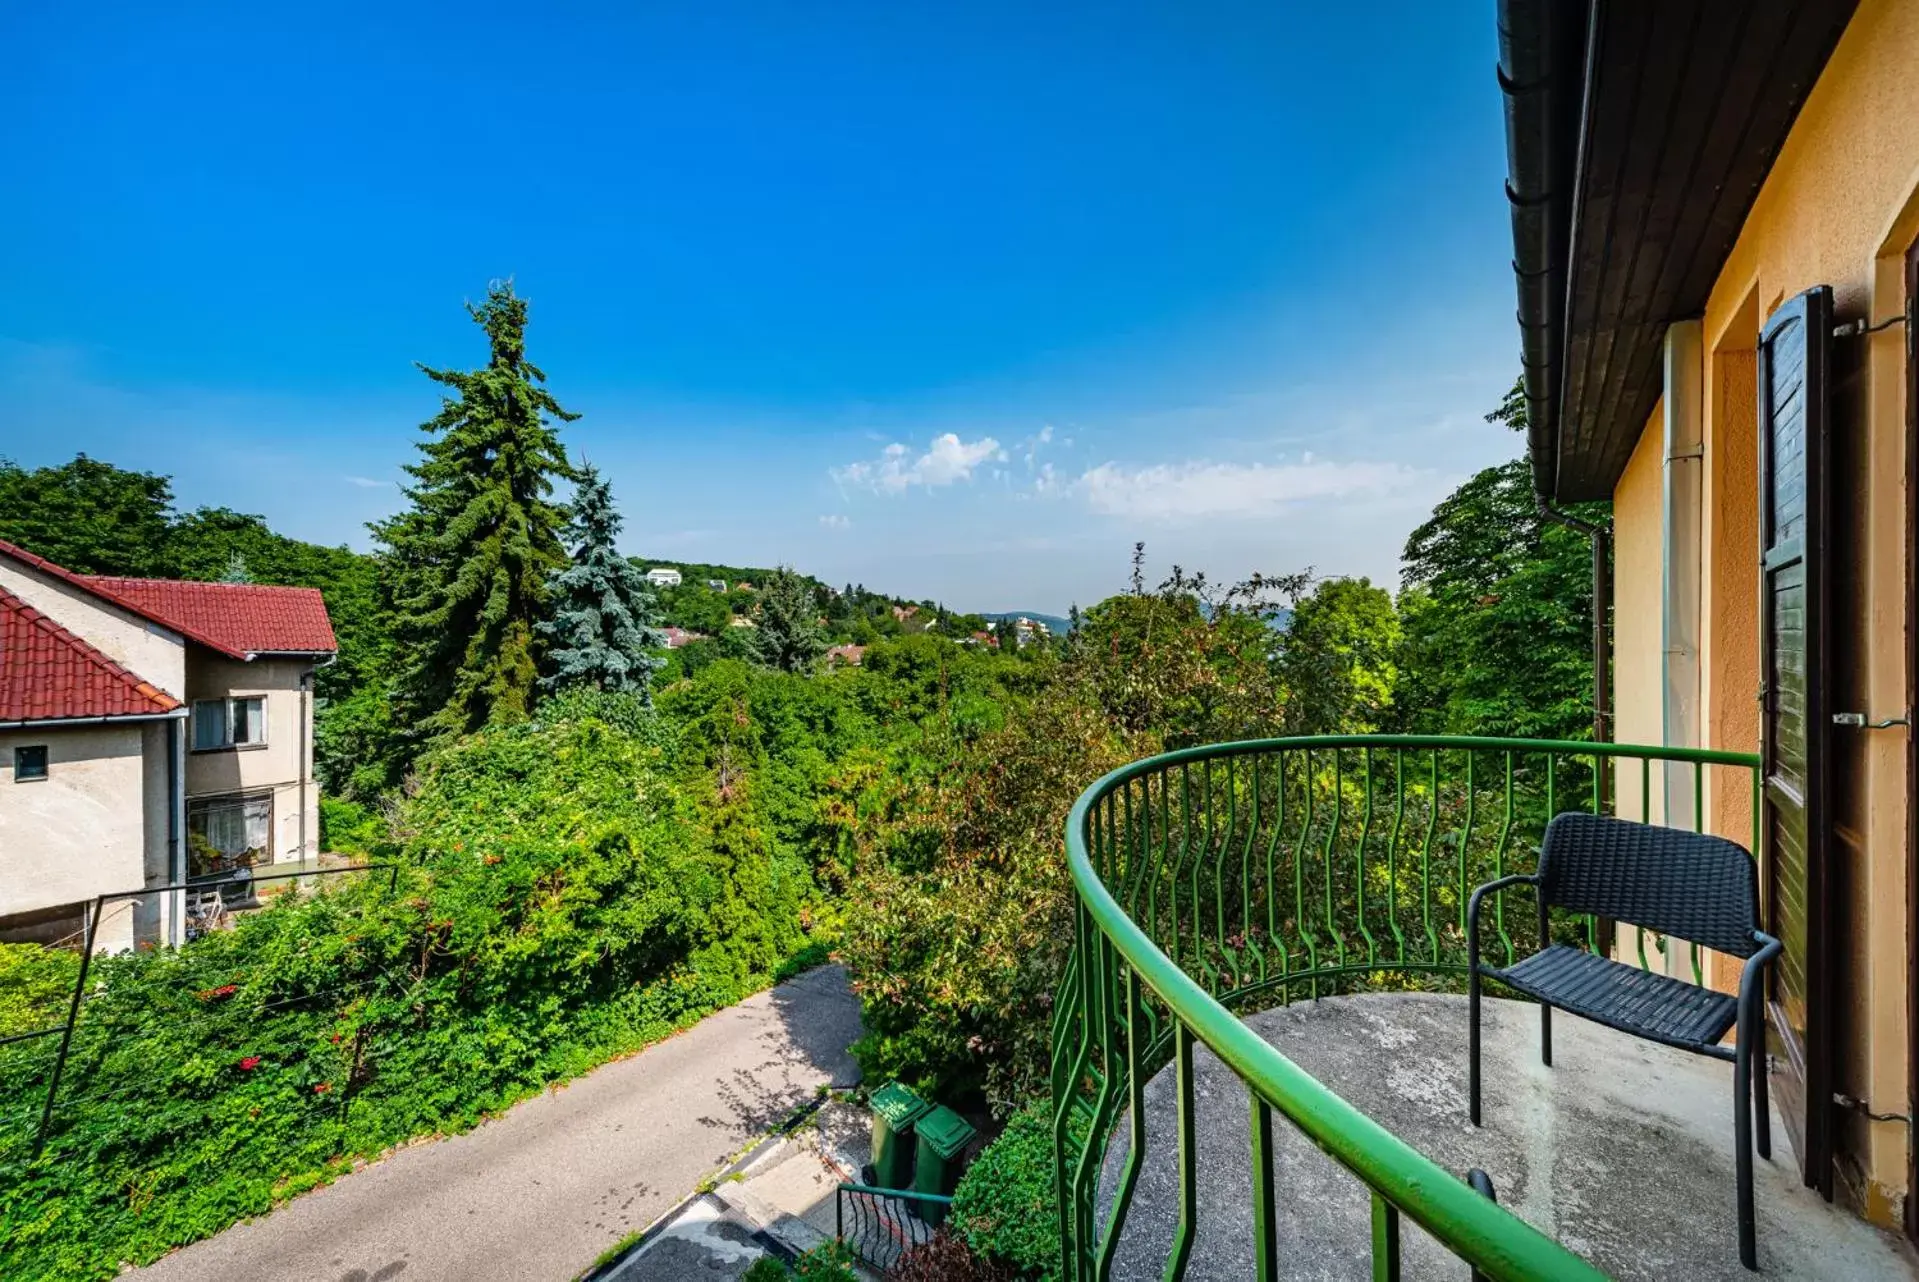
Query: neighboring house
[(849, 655), (905, 612), (677, 637), (662, 577), (1716, 227), (150, 731), (716, 585)]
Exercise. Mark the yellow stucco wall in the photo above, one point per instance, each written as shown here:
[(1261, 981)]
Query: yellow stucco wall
[(1839, 208), (1638, 593)]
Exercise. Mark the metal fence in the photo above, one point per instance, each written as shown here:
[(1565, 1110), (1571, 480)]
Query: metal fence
[(36, 1066), (1237, 877), (881, 1225)]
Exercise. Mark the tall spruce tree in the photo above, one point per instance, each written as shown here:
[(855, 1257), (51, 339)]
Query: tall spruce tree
[(467, 563), (605, 616), (788, 636)]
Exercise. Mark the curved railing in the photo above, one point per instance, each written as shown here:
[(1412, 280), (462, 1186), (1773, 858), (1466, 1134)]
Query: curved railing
[(1236, 877)]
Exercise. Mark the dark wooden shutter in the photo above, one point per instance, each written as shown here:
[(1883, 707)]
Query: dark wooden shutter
[(1795, 614)]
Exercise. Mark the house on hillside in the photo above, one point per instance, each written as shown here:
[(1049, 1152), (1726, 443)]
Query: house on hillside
[(661, 576), (716, 585), (677, 637), (845, 655), (151, 731)]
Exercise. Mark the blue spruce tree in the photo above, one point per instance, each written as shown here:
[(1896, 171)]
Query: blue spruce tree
[(605, 616)]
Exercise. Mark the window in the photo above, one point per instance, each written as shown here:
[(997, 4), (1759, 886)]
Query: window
[(30, 763), (227, 832), (229, 723)]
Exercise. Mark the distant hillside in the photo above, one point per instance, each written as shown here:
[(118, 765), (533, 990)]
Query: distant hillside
[(1056, 623)]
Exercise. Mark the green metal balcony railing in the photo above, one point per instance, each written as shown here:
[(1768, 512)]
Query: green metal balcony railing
[(1237, 877)]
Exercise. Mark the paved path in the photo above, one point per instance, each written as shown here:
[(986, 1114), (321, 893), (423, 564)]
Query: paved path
[(538, 1194)]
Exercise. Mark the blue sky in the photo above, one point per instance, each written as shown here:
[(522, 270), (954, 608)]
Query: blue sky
[(955, 301)]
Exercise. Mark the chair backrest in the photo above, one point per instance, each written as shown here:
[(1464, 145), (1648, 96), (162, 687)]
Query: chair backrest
[(1700, 888)]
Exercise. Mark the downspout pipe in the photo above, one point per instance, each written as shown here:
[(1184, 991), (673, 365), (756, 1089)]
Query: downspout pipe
[(1682, 559), (307, 701)]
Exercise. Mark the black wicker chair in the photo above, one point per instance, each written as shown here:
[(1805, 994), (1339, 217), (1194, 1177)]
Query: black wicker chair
[(1684, 884)]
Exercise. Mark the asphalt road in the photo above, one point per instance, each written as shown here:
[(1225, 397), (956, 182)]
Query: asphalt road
[(540, 1192)]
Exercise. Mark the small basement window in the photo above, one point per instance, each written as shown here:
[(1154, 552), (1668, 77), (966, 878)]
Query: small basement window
[(229, 723), (30, 762)]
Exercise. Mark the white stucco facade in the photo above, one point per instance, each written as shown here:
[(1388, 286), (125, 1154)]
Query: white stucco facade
[(97, 823), (279, 769), (126, 801), (156, 653)]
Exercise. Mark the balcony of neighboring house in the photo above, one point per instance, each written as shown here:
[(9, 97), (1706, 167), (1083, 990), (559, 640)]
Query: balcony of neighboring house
[(1261, 1043)]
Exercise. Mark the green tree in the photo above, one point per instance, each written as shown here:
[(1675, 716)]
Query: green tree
[(1496, 609), (1339, 660), (789, 636), (89, 516), (603, 631), (468, 561)]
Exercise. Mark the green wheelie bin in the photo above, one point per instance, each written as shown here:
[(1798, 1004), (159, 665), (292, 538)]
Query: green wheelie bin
[(895, 1109), (943, 1136)]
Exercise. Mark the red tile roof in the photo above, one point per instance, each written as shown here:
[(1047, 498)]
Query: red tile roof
[(237, 619), (46, 672)]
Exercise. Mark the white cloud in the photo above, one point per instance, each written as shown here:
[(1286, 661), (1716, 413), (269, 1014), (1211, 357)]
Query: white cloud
[(1034, 443), (366, 482), (947, 461), (1173, 492), (835, 521)]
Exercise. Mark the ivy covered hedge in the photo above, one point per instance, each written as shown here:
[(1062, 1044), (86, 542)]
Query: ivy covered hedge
[(1006, 1208), (559, 902)]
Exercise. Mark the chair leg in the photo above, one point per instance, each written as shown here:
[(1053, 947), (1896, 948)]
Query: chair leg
[(1546, 1034), (1472, 1042), (1761, 1102), (1742, 1155)]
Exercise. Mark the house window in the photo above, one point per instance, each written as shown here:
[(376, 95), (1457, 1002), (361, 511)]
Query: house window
[(30, 762), (229, 723), (228, 832)]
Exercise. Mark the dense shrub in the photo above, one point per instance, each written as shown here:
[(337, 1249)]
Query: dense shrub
[(1006, 1207), (948, 1259), (957, 932), (36, 985), (350, 828), (829, 1263), (561, 902)]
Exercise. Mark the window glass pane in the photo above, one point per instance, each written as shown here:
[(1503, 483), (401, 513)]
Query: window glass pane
[(209, 723), (230, 832), (255, 816), (249, 721), (30, 762)]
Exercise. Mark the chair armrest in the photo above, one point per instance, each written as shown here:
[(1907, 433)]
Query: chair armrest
[(1472, 909), (1753, 973)]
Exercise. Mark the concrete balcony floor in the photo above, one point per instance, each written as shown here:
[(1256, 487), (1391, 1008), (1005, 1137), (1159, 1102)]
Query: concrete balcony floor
[(1622, 1151)]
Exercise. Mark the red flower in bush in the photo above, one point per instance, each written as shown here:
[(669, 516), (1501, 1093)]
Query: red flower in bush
[(322, 1088), (250, 1063), (218, 994)]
